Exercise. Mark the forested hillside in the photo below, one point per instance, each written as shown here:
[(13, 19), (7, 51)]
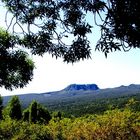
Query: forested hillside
[(80, 102), (36, 122), (106, 114)]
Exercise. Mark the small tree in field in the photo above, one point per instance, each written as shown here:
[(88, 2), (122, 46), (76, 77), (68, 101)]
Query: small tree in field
[(14, 108)]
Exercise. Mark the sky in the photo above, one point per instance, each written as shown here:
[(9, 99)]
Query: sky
[(119, 68)]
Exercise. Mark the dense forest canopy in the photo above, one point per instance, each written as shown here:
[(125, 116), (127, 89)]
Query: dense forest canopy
[(46, 25)]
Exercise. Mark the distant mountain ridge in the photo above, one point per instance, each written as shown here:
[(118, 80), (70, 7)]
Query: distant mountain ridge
[(75, 93), (74, 87)]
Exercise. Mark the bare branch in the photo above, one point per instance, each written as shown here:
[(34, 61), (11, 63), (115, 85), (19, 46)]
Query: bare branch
[(11, 21)]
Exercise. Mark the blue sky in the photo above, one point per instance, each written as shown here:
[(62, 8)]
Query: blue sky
[(120, 68)]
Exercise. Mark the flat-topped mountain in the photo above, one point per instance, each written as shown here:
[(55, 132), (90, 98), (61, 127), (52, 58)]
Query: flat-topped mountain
[(74, 87)]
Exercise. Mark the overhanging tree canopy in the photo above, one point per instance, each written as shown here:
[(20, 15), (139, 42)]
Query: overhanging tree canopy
[(16, 68), (59, 27)]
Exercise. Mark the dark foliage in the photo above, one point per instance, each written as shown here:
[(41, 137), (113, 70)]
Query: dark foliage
[(94, 106), (37, 113), (16, 69), (14, 108), (25, 115), (43, 114), (121, 28), (33, 112), (60, 27), (57, 20)]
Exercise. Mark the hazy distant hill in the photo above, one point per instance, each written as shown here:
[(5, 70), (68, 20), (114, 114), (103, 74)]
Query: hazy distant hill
[(77, 95)]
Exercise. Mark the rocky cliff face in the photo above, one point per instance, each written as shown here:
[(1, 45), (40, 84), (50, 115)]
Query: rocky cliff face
[(74, 87)]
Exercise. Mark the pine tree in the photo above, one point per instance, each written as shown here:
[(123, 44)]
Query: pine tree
[(36, 113), (33, 112), (43, 114), (25, 115), (14, 108)]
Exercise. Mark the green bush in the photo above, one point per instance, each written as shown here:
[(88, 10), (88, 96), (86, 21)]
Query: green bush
[(112, 125), (32, 132), (8, 128)]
